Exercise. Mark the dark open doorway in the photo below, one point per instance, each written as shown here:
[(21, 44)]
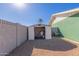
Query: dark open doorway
[(39, 32)]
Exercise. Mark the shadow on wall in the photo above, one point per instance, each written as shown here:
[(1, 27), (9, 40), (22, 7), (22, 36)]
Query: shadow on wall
[(23, 50), (55, 44), (56, 32)]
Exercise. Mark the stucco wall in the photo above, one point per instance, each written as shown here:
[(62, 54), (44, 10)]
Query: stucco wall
[(69, 27), (11, 36)]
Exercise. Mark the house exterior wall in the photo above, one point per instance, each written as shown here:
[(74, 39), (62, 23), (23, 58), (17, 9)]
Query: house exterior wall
[(11, 36), (69, 27), (58, 19)]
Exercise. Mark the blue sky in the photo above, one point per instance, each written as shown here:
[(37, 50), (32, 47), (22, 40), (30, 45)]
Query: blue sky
[(32, 12)]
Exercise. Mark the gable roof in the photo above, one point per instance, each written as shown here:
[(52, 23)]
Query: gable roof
[(63, 14)]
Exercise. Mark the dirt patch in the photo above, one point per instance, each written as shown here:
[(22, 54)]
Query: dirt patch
[(52, 47)]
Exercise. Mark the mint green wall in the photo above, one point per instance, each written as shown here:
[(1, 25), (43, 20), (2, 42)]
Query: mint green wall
[(69, 27)]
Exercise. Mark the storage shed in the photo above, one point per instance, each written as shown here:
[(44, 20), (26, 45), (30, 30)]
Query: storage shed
[(39, 31)]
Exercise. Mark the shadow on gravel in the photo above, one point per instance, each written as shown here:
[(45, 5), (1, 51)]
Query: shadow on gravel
[(56, 44), (23, 50)]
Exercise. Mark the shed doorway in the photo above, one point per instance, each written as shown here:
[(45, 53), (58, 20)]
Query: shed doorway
[(39, 33)]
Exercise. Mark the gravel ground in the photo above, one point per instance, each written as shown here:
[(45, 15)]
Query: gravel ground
[(52, 47)]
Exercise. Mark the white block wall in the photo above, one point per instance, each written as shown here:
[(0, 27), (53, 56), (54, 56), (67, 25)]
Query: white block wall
[(1, 40), (21, 34), (11, 36)]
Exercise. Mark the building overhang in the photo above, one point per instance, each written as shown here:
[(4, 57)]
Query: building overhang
[(63, 14)]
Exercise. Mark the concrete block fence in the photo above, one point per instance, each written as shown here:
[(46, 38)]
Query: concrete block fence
[(12, 35)]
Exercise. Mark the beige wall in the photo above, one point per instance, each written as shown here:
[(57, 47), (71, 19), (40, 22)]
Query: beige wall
[(11, 36)]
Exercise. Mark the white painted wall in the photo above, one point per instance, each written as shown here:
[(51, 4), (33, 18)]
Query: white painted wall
[(48, 32), (31, 33), (21, 34)]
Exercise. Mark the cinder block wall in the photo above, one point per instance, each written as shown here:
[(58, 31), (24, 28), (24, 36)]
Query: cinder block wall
[(11, 36), (21, 34)]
